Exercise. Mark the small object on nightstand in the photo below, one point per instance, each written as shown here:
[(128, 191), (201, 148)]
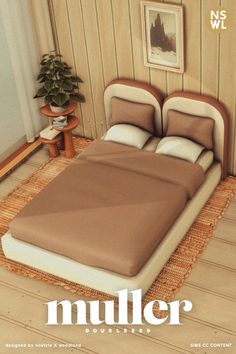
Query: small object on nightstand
[(59, 119), (49, 133), (59, 122)]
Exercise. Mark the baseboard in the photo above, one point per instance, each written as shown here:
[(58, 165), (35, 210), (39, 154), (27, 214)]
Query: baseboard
[(17, 157)]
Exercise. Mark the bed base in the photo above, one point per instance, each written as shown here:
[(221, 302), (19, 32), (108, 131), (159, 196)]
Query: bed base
[(107, 281)]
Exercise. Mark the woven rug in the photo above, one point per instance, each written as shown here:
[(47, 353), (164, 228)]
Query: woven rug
[(175, 271)]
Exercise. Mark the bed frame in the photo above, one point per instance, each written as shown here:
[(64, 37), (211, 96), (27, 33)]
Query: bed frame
[(110, 282)]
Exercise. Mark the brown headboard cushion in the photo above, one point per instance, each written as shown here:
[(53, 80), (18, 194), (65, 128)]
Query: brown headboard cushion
[(135, 91), (138, 114), (191, 127), (205, 107)]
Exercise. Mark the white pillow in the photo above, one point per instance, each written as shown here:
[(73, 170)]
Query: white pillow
[(179, 147), (127, 134)]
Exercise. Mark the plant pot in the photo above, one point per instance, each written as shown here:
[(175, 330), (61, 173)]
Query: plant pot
[(57, 109)]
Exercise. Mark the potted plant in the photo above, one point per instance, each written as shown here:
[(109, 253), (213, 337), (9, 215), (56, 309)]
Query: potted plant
[(58, 85)]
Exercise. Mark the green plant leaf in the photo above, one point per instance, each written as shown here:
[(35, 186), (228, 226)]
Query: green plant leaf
[(54, 91), (59, 64), (44, 61), (48, 99), (64, 75), (49, 76), (41, 92), (76, 79), (40, 76), (67, 85), (53, 72), (43, 70), (66, 65), (66, 104), (60, 99), (48, 85), (78, 97), (48, 64)]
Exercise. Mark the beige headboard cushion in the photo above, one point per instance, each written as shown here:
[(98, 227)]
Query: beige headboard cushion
[(135, 91), (202, 106)]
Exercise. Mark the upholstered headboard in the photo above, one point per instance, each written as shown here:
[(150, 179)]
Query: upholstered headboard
[(202, 106), (135, 91), (186, 102)]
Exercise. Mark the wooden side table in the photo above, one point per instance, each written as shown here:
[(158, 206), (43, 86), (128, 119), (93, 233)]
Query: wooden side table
[(73, 121), (53, 148)]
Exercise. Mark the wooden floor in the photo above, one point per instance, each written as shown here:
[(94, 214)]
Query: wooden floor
[(211, 288)]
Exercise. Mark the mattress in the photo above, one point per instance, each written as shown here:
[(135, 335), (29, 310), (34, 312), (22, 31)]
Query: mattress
[(206, 159), (111, 208), (104, 280)]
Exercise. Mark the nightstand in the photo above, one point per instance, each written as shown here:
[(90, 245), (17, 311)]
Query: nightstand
[(72, 120)]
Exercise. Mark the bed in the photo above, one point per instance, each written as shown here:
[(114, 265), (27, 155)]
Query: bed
[(112, 225)]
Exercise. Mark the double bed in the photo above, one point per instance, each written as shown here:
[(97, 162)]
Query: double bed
[(112, 219)]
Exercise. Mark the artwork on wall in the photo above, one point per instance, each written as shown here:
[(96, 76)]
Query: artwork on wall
[(162, 28)]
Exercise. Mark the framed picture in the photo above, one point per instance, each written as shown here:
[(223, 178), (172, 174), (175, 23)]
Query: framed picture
[(163, 42)]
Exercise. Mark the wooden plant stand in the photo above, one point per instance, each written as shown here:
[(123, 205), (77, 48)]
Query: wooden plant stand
[(72, 122)]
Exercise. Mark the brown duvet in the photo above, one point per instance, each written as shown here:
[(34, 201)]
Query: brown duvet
[(111, 208)]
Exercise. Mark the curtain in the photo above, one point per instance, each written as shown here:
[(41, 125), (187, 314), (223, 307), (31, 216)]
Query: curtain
[(24, 53)]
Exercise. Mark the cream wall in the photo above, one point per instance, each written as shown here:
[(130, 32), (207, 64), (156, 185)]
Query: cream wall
[(101, 39)]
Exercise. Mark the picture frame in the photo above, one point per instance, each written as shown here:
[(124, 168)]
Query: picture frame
[(163, 35)]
